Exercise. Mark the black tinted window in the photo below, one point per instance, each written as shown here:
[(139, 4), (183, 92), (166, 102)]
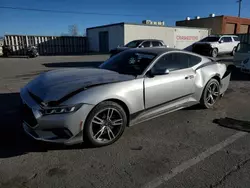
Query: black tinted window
[(129, 62), (156, 43), (193, 60), (133, 44), (146, 44), (236, 39), (227, 39), (172, 62)]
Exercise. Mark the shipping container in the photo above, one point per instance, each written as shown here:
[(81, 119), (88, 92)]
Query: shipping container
[(47, 45), (104, 38)]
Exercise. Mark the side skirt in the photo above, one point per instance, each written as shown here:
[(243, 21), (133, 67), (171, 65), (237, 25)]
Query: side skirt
[(157, 111)]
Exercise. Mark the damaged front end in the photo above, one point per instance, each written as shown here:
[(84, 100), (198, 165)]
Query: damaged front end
[(52, 121)]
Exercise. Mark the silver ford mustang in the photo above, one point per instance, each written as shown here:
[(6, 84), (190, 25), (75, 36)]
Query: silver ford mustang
[(96, 104)]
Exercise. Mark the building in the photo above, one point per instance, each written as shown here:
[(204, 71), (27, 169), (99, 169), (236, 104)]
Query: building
[(106, 37), (218, 24)]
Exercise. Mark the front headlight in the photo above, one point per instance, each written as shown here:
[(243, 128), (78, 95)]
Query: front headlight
[(60, 110)]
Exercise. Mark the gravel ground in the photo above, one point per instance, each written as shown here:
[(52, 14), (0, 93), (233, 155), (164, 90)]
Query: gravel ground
[(182, 149)]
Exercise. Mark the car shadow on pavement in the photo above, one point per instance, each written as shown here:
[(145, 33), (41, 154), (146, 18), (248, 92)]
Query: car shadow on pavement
[(233, 124), (74, 64), (13, 140), (237, 75)]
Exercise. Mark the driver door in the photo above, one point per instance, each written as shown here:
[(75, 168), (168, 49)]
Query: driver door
[(173, 88)]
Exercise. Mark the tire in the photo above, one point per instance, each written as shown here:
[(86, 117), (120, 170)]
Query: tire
[(233, 52), (206, 100), (98, 125), (214, 52)]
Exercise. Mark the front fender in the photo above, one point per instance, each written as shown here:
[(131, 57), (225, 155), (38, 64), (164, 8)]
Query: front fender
[(129, 92)]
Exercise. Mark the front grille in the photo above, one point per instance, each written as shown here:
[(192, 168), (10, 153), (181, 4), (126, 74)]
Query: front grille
[(28, 116)]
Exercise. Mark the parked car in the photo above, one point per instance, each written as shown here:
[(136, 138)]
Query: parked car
[(242, 53), (242, 57), (31, 51), (214, 45), (96, 104), (143, 43)]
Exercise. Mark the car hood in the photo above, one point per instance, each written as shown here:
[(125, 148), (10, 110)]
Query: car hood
[(57, 84)]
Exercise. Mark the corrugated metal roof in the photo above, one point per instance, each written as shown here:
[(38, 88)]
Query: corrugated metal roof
[(127, 23)]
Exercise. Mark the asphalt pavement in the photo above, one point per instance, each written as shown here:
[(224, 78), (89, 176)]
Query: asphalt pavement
[(192, 147)]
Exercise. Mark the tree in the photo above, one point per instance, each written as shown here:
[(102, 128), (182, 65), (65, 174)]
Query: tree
[(73, 30)]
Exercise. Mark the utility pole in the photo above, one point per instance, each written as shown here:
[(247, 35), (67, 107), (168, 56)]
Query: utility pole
[(239, 1)]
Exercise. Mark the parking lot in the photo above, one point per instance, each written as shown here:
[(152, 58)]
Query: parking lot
[(188, 148)]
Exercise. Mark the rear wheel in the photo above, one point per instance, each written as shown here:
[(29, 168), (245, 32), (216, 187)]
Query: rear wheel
[(233, 52), (211, 94), (214, 52), (105, 124)]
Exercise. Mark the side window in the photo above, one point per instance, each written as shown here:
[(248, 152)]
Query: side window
[(146, 44), (156, 43), (193, 60), (227, 39), (236, 39), (222, 39), (172, 62)]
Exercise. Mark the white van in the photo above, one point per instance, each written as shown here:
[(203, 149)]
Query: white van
[(242, 57)]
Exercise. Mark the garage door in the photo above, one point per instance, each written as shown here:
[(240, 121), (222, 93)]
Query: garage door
[(230, 28), (103, 41), (243, 28)]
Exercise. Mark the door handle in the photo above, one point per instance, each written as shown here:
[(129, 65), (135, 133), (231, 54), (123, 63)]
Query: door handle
[(189, 77)]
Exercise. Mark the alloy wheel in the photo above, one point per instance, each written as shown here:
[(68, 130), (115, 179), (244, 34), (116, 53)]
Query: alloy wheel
[(106, 125), (212, 93)]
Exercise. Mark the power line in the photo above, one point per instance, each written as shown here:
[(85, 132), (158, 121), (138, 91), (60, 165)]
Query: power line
[(69, 12)]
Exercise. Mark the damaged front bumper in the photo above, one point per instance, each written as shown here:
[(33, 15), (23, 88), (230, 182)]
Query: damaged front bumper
[(64, 128)]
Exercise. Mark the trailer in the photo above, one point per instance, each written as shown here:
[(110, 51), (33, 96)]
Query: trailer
[(106, 37), (46, 45)]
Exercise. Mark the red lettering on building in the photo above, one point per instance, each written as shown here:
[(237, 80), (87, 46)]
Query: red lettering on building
[(178, 37)]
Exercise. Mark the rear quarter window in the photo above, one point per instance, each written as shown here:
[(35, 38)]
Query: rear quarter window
[(193, 60), (236, 38)]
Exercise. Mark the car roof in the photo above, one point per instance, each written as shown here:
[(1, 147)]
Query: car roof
[(147, 40), (157, 51), (222, 36)]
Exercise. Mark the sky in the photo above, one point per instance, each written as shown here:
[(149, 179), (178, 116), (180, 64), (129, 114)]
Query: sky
[(48, 23)]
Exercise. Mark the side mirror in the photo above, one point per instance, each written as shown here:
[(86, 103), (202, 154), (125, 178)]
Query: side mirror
[(141, 46), (221, 41), (167, 71)]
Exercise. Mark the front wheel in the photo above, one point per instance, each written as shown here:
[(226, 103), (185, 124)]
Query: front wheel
[(211, 94), (105, 124)]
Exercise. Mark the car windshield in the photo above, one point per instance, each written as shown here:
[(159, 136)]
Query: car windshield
[(129, 62), (133, 44), (210, 39)]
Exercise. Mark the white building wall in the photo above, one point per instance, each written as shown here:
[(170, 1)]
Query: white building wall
[(116, 36), (174, 37)]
